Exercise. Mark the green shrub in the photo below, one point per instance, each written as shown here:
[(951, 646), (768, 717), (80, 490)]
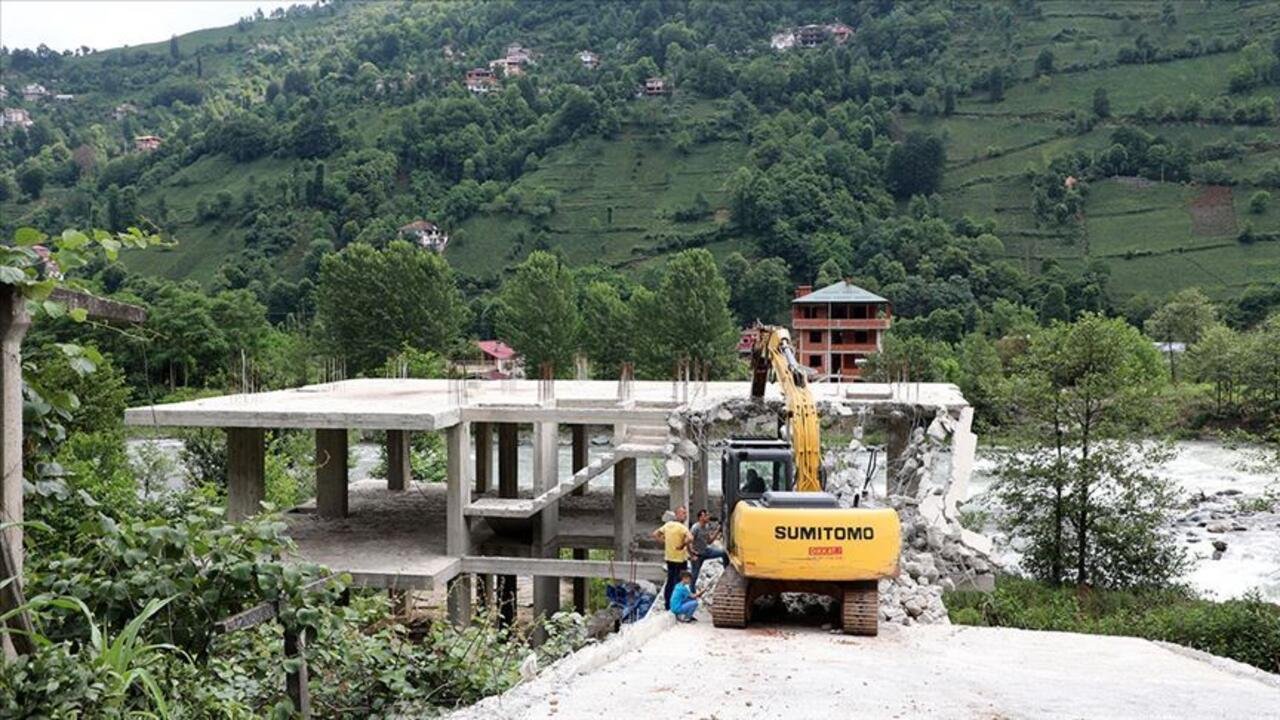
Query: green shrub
[(1247, 629)]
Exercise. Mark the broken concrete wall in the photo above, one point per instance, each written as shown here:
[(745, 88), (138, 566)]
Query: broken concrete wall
[(926, 453)]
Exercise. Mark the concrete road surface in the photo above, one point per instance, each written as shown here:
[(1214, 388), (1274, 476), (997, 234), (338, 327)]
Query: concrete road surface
[(697, 671)]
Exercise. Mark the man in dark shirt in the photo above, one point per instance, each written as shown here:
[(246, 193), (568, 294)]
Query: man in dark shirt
[(705, 532)]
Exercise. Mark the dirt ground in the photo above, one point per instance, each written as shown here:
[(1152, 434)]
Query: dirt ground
[(698, 671), (1213, 213)]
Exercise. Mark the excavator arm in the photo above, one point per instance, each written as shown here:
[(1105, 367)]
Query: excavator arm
[(773, 351)]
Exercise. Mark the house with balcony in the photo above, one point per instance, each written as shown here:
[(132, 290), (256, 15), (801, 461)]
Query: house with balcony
[(834, 329), (481, 80)]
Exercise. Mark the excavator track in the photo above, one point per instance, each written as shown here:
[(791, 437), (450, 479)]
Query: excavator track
[(860, 609), (729, 607)]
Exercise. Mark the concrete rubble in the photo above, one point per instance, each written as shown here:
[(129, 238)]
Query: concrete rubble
[(926, 479)]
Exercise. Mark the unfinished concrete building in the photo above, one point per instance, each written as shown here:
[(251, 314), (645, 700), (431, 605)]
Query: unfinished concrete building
[(506, 512)]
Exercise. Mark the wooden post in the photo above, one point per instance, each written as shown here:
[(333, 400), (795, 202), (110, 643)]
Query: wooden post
[(295, 647), (624, 508), (399, 464), (246, 472), (484, 456), (331, 473)]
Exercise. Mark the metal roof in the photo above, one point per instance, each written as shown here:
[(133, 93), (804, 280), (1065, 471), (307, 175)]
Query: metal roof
[(841, 292)]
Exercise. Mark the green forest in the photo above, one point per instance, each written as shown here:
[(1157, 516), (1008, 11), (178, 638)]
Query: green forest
[(1044, 190)]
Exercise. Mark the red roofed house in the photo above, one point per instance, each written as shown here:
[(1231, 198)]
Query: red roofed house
[(147, 143), (481, 80), (499, 360), (655, 86), (837, 327)]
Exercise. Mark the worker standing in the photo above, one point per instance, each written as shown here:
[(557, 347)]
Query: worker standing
[(704, 533), (676, 538)]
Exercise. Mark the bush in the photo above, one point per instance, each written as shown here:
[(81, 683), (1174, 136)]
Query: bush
[(1259, 201), (1247, 630)]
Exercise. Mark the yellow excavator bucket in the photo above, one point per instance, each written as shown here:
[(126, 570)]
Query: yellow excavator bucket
[(825, 544)]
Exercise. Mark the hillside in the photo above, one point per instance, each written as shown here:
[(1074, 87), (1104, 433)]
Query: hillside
[(629, 179)]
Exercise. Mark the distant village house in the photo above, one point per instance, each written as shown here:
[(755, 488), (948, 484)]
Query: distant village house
[(4, 93), (147, 143), (33, 92), (123, 110), (808, 36), (589, 59), (426, 234), (513, 63), (498, 361), (655, 86), (17, 117), (64, 97), (481, 80)]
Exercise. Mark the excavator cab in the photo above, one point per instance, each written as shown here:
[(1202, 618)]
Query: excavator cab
[(749, 468)]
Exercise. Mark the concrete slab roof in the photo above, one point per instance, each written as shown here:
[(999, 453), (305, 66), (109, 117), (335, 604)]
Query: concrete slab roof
[(412, 404)]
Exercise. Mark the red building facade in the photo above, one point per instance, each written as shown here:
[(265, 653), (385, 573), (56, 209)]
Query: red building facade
[(835, 328)]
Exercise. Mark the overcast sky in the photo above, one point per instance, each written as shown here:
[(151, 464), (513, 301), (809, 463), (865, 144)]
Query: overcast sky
[(103, 24)]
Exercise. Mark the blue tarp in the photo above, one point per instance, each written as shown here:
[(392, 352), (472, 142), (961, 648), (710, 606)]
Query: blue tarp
[(630, 599)]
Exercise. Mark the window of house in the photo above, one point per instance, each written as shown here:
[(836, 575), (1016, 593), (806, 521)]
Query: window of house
[(839, 312), (837, 337), (815, 361), (835, 363), (815, 336), (860, 337)]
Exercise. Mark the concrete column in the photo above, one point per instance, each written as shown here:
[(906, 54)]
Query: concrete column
[(331, 473), (484, 457), (700, 495), (506, 600), (580, 458), (678, 489), (399, 465), (580, 452), (508, 460), (459, 600), (246, 472), (457, 532), (899, 430), (508, 487), (624, 507), (546, 475), (14, 322)]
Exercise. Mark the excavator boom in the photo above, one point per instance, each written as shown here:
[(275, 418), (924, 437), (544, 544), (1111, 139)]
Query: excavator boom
[(773, 351)]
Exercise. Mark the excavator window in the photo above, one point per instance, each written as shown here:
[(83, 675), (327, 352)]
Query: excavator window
[(758, 476)]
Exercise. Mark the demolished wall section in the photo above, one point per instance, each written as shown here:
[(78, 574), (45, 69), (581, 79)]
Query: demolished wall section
[(926, 480)]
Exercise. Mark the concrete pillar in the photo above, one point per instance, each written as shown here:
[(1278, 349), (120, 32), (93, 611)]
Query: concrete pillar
[(508, 487), (899, 431), (678, 489), (508, 460), (580, 458), (506, 600), (484, 457), (624, 507), (458, 472), (14, 322), (459, 600), (331, 473), (580, 452), (246, 472), (700, 495), (399, 465), (546, 475)]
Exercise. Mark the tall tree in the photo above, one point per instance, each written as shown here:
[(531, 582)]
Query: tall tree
[(1081, 493), (1183, 319), (608, 330), (687, 318), (371, 303), (537, 313)]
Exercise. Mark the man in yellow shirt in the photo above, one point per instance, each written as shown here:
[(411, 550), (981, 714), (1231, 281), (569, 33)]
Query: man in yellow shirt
[(676, 539)]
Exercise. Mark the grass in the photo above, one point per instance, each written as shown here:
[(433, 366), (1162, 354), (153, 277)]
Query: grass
[(616, 203), (1128, 86), (1246, 630)]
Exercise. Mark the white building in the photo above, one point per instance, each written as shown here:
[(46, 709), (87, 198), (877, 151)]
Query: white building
[(16, 116), (427, 234), (33, 92)]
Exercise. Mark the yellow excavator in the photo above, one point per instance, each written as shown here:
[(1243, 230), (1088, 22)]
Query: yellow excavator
[(783, 532)]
